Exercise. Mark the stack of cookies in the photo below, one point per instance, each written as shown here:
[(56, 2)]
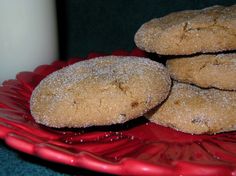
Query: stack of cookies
[(114, 89), (203, 67)]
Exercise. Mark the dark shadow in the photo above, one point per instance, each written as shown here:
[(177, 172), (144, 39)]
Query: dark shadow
[(194, 54), (62, 24), (107, 128)]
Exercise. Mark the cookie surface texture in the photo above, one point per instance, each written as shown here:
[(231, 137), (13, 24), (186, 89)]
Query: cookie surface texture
[(186, 32), (194, 110), (205, 71), (101, 91)]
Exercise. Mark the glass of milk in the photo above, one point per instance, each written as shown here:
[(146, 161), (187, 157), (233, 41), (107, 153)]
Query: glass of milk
[(28, 35)]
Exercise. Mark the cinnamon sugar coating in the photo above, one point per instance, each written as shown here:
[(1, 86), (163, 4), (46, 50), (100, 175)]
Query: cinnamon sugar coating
[(206, 70), (101, 91), (194, 110), (186, 32)]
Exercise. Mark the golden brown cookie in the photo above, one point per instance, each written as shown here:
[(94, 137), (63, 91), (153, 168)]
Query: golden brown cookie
[(211, 29), (194, 110), (206, 71), (102, 91)]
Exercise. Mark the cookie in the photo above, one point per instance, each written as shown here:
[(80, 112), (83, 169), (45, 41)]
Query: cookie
[(194, 110), (216, 70), (101, 91), (186, 32)]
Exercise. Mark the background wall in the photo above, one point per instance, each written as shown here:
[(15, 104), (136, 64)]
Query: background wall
[(106, 25)]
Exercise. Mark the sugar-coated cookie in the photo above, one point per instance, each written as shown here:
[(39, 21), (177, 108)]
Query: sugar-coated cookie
[(194, 110), (101, 91), (186, 32), (215, 70)]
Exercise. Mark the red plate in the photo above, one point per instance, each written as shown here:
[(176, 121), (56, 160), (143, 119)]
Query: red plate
[(134, 148)]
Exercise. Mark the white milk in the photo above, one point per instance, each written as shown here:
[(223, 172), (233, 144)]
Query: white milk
[(28, 35)]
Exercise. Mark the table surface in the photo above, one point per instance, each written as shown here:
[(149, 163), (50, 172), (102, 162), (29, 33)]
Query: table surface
[(21, 164)]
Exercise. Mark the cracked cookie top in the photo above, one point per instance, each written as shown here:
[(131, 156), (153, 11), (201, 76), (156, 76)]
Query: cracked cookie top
[(194, 110), (205, 70), (101, 91), (186, 32)]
